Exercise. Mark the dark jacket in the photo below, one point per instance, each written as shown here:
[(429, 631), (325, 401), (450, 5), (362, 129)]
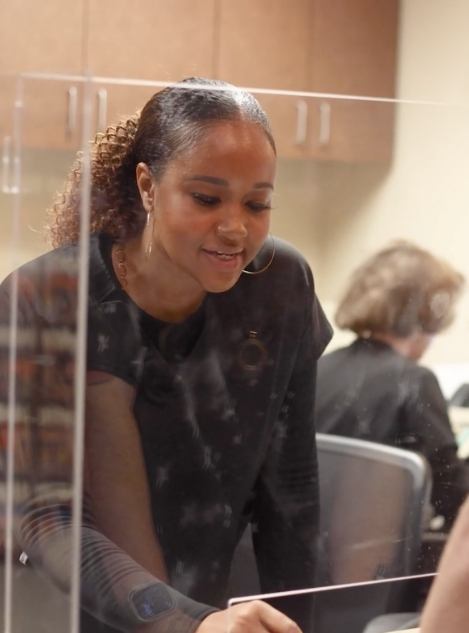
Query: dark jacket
[(369, 391)]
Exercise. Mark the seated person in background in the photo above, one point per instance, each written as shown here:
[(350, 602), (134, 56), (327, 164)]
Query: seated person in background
[(374, 389)]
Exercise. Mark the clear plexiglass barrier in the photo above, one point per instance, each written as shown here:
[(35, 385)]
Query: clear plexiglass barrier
[(378, 606), (158, 451)]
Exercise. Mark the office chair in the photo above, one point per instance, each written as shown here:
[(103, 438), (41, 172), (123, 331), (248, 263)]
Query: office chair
[(374, 503), (375, 500)]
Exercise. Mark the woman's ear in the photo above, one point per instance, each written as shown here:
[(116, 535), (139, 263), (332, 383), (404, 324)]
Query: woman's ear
[(146, 186)]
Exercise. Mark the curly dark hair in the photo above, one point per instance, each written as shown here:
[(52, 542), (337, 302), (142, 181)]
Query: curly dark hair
[(399, 290), (171, 122)]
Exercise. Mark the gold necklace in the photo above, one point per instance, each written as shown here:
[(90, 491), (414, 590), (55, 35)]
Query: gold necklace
[(120, 264)]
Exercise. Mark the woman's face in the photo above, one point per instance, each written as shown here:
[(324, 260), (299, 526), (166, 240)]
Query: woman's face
[(211, 207)]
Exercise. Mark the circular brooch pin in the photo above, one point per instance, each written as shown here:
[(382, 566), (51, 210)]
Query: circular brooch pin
[(253, 353)]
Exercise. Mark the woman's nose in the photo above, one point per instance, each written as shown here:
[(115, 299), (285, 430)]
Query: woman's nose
[(232, 225)]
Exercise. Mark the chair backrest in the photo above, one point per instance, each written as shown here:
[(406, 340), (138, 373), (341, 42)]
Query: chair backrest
[(374, 502)]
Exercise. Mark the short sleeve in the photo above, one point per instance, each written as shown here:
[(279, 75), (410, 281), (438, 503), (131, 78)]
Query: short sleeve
[(322, 330)]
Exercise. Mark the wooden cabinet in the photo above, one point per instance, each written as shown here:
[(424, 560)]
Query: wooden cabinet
[(339, 47), (41, 36), (113, 102), (265, 43), (154, 39), (354, 51), (343, 47), (163, 40), (354, 45), (51, 113), (7, 101), (343, 130)]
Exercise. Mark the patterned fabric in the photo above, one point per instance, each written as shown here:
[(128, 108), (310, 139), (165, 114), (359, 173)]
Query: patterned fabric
[(224, 405)]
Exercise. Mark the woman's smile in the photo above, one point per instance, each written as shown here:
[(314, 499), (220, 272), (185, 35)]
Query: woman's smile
[(225, 260)]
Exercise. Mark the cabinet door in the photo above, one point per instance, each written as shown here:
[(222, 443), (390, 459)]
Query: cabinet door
[(354, 47), (357, 131), (151, 39), (41, 36), (292, 119), (50, 135), (52, 113), (343, 130), (114, 102), (7, 104), (265, 43)]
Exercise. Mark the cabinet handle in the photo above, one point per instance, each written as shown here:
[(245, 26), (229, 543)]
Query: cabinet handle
[(301, 122), (72, 111), (6, 164), (102, 110), (324, 123)]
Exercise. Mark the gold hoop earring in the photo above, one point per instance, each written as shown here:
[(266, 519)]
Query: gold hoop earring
[(149, 244), (269, 263)]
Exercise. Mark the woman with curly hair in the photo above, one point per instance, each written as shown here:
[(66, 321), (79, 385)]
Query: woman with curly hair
[(374, 389), (203, 336)]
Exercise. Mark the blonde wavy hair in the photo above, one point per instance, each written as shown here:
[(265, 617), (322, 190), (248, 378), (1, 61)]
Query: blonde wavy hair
[(400, 290), (172, 121)]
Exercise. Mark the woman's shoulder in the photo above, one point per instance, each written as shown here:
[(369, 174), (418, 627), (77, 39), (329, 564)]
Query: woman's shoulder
[(57, 260), (279, 273), (424, 376), (289, 254), (283, 288), (51, 279), (62, 260), (288, 266)]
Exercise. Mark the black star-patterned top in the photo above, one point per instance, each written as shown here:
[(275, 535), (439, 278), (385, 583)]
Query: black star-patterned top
[(225, 407)]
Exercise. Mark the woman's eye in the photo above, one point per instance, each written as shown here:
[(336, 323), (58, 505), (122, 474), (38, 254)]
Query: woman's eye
[(203, 199), (257, 207)]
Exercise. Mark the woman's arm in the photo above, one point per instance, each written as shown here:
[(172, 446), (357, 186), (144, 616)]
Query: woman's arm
[(118, 492), (120, 552), (122, 567), (116, 486)]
